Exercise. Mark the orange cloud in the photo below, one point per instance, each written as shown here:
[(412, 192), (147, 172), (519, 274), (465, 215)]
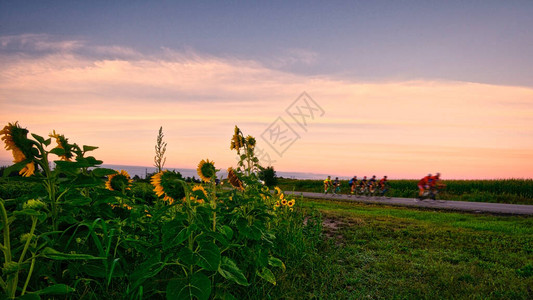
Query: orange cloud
[(404, 129)]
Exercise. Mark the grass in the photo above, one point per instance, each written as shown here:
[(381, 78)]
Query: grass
[(514, 191), (378, 252)]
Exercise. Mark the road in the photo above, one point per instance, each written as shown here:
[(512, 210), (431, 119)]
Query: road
[(477, 207)]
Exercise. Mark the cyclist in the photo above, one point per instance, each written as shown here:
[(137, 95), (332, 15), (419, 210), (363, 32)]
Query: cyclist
[(327, 184), (435, 184), (423, 184), (372, 184), (353, 184), (383, 185), (362, 185), (336, 186)]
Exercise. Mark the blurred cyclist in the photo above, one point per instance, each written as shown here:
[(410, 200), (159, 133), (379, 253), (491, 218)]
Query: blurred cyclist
[(383, 184), (423, 184), (353, 184), (327, 184)]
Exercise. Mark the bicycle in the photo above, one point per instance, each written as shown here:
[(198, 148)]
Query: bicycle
[(431, 192)]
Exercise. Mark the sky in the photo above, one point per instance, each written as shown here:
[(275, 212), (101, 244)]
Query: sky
[(397, 88)]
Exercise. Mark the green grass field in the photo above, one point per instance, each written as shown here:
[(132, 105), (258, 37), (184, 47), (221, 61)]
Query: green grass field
[(376, 252), (515, 191)]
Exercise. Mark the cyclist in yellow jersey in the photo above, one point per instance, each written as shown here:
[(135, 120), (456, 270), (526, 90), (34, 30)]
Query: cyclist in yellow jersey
[(327, 184)]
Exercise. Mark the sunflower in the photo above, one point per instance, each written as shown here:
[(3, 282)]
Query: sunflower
[(62, 143), (278, 190), (119, 181), (169, 185), (237, 141), (200, 193), (284, 202), (290, 203), (234, 180), (206, 170), (250, 141), (17, 141)]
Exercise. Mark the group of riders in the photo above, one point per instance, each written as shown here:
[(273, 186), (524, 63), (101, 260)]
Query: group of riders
[(364, 186), (428, 186)]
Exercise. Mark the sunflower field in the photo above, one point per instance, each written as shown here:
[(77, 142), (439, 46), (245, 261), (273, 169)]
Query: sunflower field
[(86, 233)]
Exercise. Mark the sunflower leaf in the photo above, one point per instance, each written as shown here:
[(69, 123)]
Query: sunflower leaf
[(89, 148), (39, 138), (267, 275), (197, 287), (58, 151), (229, 270), (276, 262)]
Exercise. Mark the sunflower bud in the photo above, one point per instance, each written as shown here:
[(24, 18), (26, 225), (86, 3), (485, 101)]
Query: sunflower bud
[(34, 204), (25, 237), (10, 268)]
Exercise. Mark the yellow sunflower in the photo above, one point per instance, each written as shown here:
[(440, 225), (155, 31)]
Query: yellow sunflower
[(237, 140), (168, 184), (278, 190), (119, 181), (15, 139), (234, 180), (284, 202), (290, 203), (62, 143), (200, 193), (206, 170)]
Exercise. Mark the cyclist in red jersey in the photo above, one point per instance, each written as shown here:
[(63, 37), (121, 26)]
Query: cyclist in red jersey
[(382, 184), (423, 184)]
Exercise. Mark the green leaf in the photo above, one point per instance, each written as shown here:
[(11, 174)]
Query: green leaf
[(89, 148), (58, 151), (251, 232), (93, 161), (208, 256), (198, 287), (276, 262), (101, 172), (267, 275), (229, 270), (29, 296), (174, 233), (186, 256), (39, 138), (57, 289), (227, 231), (56, 255)]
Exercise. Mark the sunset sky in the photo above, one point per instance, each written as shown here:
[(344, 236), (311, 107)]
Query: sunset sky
[(397, 88)]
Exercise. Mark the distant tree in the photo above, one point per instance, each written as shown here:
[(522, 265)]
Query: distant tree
[(160, 149), (268, 175)]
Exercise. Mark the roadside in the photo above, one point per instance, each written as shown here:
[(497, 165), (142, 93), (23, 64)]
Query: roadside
[(476, 207)]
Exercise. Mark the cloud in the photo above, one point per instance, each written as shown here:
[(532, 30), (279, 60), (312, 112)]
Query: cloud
[(119, 103)]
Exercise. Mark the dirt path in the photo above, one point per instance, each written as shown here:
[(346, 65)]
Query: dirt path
[(479, 207)]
